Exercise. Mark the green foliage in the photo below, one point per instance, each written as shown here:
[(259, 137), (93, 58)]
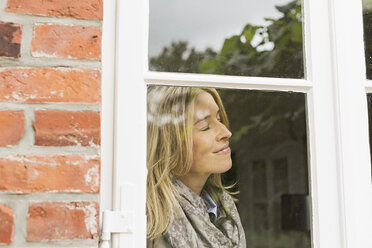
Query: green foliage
[(268, 118), (239, 56), (179, 58), (268, 124)]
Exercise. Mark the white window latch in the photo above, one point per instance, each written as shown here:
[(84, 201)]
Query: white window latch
[(115, 222)]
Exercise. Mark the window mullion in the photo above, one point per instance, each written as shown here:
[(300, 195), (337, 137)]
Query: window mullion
[(328, 214), (349, 84)]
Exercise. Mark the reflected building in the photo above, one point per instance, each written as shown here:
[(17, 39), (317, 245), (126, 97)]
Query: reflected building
[(270, 167)]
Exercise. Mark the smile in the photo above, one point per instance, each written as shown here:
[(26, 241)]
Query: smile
[(224, 150)]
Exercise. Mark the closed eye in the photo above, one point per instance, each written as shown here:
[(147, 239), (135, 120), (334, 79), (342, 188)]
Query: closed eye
[(205, 128)]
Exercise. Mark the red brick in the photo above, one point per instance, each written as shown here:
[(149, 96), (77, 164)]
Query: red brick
[(61, 173), (62, 221), (32, 85), (85, 9), (6, 224), (62, 41), (10, 40), (12, 127), (67, 128)]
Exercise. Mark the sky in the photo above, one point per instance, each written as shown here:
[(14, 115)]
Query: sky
[(204, 23)]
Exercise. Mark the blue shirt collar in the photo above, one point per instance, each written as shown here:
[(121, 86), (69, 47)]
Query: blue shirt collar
[(212, 205)]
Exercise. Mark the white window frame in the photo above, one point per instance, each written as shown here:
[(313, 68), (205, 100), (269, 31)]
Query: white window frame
[(107, 109), (338, 143)]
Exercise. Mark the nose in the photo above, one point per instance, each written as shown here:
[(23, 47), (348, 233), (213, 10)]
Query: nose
[(223, 132)]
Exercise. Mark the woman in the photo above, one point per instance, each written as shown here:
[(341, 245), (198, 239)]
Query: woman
[(187, 150)]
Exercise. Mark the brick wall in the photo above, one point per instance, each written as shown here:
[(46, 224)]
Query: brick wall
[(50, 102)]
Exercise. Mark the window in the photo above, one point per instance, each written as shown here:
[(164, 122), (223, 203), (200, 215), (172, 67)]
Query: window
[(334, 88), (224, 38)]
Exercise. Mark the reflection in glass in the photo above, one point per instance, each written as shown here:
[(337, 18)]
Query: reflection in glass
[(269, 152), (270, 168), (369, 100), (242, 38), (367, 19)]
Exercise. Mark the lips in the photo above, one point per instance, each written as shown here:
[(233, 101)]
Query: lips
[(223, 150)]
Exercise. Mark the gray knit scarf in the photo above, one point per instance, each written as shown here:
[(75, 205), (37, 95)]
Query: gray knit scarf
[(193, 227)]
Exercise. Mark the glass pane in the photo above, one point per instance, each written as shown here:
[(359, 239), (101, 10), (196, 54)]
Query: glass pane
[(367, 19), (242, 38), (369, 100), (269, 154), (268, 157)]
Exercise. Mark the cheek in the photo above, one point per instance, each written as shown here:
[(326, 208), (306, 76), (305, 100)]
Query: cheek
[(201, 147)]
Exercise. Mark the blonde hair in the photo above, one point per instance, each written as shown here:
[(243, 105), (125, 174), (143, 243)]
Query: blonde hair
[(169, 151)]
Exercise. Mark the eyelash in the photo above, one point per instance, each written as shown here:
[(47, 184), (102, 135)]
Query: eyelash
[(207, 127)]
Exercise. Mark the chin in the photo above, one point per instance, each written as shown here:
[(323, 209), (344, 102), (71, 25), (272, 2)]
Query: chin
[(225, 167)]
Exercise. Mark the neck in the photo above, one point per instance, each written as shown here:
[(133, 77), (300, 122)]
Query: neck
[(195, 181)]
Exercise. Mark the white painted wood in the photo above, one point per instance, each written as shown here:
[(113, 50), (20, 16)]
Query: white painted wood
[(146, 30), (130, 130), (335, 85), (368, 86), (107, 112), (239, 82), (327, 213), (352, 112)]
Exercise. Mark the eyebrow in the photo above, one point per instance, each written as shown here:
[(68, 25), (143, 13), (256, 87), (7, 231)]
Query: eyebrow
[(206, 117), (202, 119)]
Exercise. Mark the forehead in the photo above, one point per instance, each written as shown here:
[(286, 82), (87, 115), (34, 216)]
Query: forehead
[(205, 104), (204, 99)]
